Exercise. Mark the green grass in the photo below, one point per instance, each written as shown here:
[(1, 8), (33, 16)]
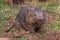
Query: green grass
[(58, 24), (2, 16), (3, 23), (52, 6), (23, 38)]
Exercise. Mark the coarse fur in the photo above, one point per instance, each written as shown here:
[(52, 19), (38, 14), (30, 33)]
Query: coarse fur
[(31, 18)]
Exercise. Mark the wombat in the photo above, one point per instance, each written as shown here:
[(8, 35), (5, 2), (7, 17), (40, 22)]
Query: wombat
[(30, 19)]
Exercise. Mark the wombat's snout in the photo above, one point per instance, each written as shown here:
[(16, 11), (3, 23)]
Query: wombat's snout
[(39, 17), (39, 21)]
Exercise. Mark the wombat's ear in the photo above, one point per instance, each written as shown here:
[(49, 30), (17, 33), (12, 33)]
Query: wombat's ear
[(31, 10), (44, 10)]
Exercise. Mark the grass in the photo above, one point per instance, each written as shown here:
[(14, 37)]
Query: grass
[(23, 38), (3, 23), (6, 12), (52, 6), (2, 16)]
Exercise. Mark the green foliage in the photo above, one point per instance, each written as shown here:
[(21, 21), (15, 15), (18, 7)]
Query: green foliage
[(21, 38), (3, 5), (56, 4), (52, 4), (3, 23), (2, 16), (49, 8), (58, 24), (0, 1)]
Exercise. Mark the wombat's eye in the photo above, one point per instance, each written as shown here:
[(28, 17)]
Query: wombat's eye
[(34, 14)]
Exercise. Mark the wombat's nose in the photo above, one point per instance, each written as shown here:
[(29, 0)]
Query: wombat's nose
[(39, 20)]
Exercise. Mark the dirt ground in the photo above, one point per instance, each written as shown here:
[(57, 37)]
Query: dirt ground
[(52, 36), (14, 34)]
